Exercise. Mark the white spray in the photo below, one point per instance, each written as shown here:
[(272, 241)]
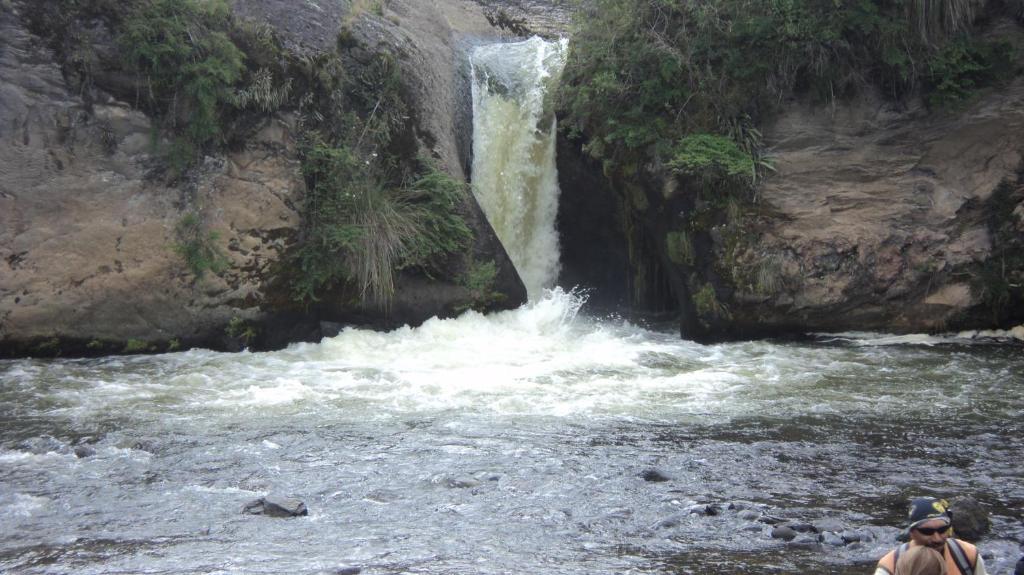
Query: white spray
[(515, 179)]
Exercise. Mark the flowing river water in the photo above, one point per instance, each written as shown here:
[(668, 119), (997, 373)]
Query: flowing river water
[(527, 441), (511, 443)]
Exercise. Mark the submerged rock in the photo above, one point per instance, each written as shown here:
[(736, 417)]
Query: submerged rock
[(275, 506), (655, 475), (831, 538), (83, 451)]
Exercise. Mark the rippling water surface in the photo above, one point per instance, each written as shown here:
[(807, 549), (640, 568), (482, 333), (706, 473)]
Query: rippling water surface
[(511, 443)]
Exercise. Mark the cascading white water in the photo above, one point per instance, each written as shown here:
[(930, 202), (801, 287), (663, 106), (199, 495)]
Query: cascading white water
[(515, 179)]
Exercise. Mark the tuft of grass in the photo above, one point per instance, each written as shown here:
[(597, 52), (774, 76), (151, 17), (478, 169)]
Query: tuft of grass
[(138, 346), (238, 328), (198, 247), (708, 307), (479, 279)]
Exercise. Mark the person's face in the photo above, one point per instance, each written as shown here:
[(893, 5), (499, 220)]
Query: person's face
[(931, 534)]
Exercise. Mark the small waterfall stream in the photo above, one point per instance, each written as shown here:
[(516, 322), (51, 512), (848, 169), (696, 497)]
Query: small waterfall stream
[(515, 179)]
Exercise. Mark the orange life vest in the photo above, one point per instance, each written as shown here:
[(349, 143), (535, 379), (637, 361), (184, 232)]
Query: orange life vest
[(970, 552)]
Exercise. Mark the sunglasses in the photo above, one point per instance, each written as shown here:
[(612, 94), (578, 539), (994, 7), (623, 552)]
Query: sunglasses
[(929, 531)]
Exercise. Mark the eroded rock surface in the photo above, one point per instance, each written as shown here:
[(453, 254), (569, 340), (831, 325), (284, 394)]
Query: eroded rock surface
[(88, 225), (876, 215)]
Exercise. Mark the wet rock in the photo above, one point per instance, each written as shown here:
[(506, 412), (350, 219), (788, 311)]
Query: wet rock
[(784, 532), (275, 506), (330, 328), (147, 445), (655, 475), (854, 536), (748, 515), (703, 510), (44, 444), (970, 519), (829, 524), (831, 538), (802, 527), (348, 571), (770, 520), (1019, 570), (464, 482), (83, 451)]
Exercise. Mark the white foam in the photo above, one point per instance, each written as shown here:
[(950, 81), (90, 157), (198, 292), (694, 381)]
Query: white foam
[(21, 505)]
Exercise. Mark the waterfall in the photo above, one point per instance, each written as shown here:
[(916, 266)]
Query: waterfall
[(515, 179)]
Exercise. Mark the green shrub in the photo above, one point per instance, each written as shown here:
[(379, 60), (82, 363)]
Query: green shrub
[(479, 279), (361, 226), (712, 157), (707, 305), (642, 74), (198, 247), (238, 328), (138, 346), (442, 230), (186, 63), (962, 66)]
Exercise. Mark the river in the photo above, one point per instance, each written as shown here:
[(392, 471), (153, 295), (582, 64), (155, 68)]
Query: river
[(515, 442)]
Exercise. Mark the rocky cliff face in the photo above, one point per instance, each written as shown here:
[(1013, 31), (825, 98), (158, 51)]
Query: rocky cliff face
[(882, 218), (88, 226), (879, 217), (87, 230)]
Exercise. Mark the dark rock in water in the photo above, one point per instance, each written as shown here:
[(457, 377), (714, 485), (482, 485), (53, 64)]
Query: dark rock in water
[(802, 527), (348, 571), (831, 538), (970, 519), (275, 506), (854, 536), (783, 532), (330, 328), (82, 451), (1019, 570), (44, 444), (770, 520), (655, 475), (702, 510), (147, 445)]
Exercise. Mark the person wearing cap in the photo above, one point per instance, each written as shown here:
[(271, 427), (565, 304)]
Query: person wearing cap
[(930, 525)]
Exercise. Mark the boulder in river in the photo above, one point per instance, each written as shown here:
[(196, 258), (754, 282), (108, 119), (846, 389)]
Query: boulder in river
[(970, 519), (783, 532), (276, 506), (831, 538), (655, 475)]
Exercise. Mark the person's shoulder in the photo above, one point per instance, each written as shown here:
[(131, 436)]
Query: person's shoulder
[(964, 544), (886, 565)]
